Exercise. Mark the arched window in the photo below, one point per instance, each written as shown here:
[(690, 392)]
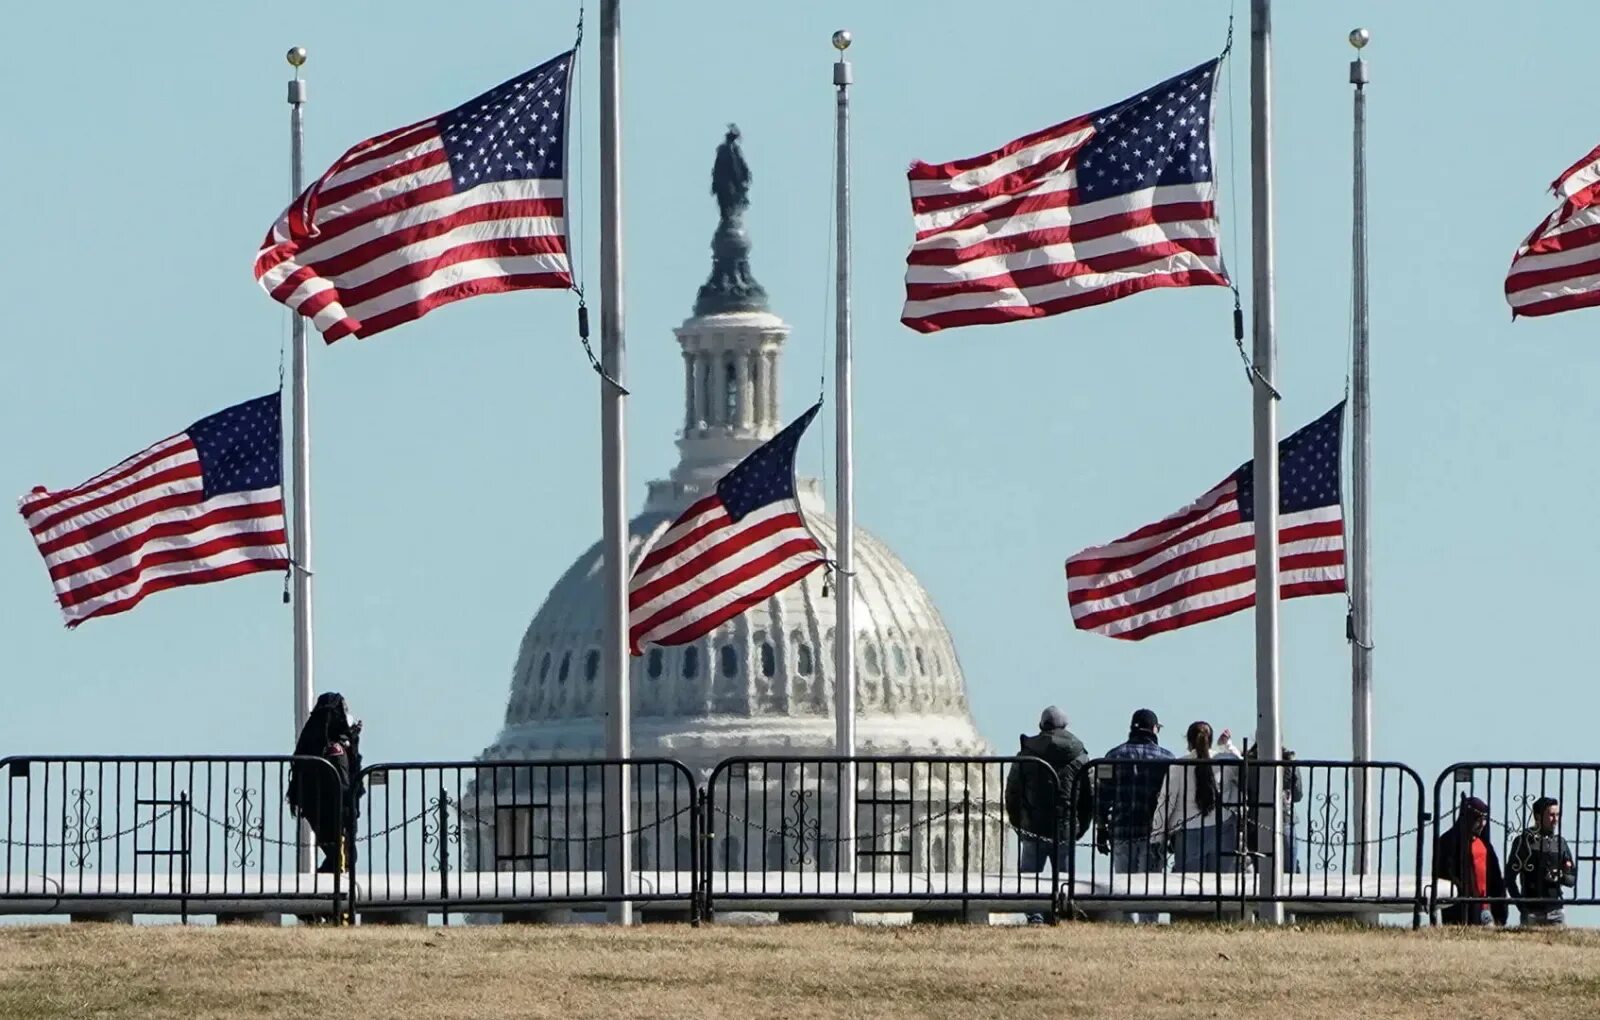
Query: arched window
[(922, 664), (591, 664), (566, 665), (730, 661), (653, 667), (769, 659), (870, 654), (544, 667), (691, 662), (730, 389), (802, 658), (899, 660)]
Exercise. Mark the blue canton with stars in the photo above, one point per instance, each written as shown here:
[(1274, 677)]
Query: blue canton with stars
[(767, 475), (513, 132), (1162, 136), (1308, 468), (241, 449)]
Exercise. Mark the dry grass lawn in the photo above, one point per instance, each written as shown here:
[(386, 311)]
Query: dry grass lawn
[(584, 972)]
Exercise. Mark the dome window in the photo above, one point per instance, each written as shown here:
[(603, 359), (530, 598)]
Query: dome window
[(544, 667), (899, 660), (566, 664), (922, 663), (769, 659), (730, 393), (870, 653), (591, 664), (730, 661), (691, 662), (802, 658), (654, 665)]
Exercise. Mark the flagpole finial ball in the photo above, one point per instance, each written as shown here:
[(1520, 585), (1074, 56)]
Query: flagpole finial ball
[(296, 56), (842, 39), (1360, 37)]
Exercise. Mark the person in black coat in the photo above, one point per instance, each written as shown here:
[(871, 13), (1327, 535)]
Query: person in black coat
[(1464, 857), (322, 796)]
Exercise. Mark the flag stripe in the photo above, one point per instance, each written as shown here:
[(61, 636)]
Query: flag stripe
[(1557, 268)]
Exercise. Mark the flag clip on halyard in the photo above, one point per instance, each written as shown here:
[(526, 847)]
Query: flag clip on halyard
[(744, 542)]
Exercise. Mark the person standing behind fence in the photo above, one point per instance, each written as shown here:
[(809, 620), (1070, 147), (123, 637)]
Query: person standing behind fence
[(1293, 793), (1464, 857), (1126, 792), (1197, 813), (1539, 865), (321, 796), (1049, 806)]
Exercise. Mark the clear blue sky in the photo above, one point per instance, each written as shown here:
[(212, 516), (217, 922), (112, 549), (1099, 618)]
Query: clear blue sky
[(456, 459)]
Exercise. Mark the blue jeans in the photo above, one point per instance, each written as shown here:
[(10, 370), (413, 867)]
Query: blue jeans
[(1207, 847), (1138, 856)]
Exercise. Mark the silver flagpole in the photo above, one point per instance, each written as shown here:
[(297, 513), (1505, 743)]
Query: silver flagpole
[(613, 434), (844, 701), (1269, 736), (300, 452), (1361, 459)]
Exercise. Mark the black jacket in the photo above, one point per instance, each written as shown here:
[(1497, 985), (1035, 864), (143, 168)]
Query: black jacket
[(1452, 862), (1036, 805), (1537, 867)]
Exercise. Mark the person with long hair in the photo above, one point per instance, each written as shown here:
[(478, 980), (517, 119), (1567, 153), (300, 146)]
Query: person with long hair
[(321, 795), (1197, 813)]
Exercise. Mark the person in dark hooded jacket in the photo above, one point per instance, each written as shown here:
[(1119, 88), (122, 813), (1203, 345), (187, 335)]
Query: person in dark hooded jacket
[(1046, 807), (319, 795), (1464, 857)]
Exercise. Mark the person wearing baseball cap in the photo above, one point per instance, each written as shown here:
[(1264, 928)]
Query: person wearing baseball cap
[(1465, 858), (1127, 788)]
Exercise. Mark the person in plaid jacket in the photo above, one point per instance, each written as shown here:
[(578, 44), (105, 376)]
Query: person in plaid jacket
[(1128, 787)]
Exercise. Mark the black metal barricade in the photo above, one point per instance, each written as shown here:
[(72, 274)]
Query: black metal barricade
[(522, 835), (1187, 834), (1510, 790), (123, 834), (929, 833)]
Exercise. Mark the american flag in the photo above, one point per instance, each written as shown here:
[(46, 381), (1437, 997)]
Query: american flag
[(204, 505), (1558, 266), (1100, 207), (741, 544), (1200, 563), (469, 202)]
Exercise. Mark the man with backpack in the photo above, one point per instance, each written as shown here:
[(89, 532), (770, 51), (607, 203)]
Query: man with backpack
[(1050, 801)]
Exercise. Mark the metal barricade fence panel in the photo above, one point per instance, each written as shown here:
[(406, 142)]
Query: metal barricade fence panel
[(927, 830), (487, 834), (1510, 789), (162, 833), (1187, 833)]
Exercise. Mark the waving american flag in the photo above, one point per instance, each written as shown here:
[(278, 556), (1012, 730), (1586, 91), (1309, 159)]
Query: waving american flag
[(744, 542), (469, 202), (1557, 268), (1102, 206)]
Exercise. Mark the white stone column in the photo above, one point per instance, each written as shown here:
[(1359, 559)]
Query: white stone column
[(770, 355), (688, 393), (697, 373), (761, 368), (743, 419)]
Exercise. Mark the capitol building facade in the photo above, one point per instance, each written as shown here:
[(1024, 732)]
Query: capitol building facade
[(761, 685)]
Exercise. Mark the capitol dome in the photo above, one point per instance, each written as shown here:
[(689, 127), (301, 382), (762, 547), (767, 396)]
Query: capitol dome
[(762, 683)]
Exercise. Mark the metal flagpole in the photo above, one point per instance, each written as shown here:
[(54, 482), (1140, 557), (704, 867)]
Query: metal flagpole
[(613, 426), (1361, 459), (1269, 737), (300, 453), (844, 701)]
